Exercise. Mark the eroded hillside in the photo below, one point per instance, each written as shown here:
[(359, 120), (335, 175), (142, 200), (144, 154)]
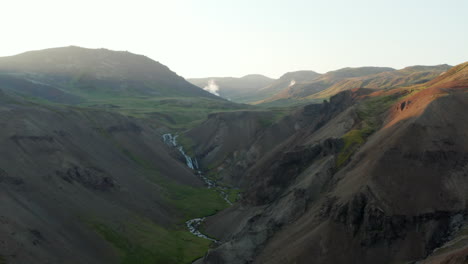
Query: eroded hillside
[(370, 177), (88, 186), (129, 163)]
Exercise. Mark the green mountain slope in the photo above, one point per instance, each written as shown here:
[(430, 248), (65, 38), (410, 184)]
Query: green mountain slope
[(99, 71), (113, 80)]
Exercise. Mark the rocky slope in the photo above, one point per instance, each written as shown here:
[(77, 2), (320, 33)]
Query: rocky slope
[(89, 186), (385, 80), (334, 82), (301, 89), (371, 177)]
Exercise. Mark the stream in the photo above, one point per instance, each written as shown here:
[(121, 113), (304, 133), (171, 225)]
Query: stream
[(193, 225)]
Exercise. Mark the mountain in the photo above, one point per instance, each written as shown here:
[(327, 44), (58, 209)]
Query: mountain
[(284, 82), (391, 79), (119, 81), (99, 71), (234, 89), (371, 176), (299, 90)]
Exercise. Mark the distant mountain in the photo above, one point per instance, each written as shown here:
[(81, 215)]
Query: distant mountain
[(300, 89), (456, 77), (235, 89), (390, 79), (96, 72), (285, 81)]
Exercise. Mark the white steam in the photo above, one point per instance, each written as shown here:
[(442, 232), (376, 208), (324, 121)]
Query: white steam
[(212, 87), (293, 82)]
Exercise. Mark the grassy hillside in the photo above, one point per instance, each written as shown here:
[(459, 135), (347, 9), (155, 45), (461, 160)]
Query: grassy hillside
[(99, 71), (122, 82)]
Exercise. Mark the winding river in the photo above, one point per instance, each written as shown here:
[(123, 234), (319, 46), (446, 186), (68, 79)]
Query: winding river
[(193, 225)]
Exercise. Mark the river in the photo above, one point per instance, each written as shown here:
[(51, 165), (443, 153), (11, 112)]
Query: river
[(193, 225)]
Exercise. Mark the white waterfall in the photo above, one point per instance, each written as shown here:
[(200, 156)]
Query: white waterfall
[(188, 159), (170, 140), (194, 224)]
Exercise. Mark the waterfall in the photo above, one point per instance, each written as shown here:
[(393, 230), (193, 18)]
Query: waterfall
[(188, 159), (170, 140), (192, 163)]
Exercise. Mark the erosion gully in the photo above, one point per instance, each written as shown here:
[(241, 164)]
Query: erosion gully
[(193, 225)]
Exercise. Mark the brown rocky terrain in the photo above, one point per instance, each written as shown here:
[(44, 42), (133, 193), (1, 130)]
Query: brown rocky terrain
[(385, 80), (372, 177), (301, 89), (334, 82)]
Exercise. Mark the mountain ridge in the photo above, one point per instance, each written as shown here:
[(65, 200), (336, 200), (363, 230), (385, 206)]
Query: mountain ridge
[(83, 67)]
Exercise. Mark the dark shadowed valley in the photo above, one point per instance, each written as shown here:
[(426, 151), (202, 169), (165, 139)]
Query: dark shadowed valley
[(234, 132), (110, 157)]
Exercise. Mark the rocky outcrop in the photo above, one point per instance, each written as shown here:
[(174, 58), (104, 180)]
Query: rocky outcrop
[(7, 179), (371, 225), (287, 166), (93, 178)]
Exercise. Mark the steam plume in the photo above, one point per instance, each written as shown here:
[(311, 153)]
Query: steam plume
[(212, 87)]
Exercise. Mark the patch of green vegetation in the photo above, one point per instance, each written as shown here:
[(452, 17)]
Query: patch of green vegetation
[(370, 113), (352, 141), (274, 116), (370, 110), (233, 195), (2, 260), (192, 201), (177, 113), (143, 242)]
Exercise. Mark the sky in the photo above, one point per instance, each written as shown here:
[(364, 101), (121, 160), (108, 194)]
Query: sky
[(206, 38)]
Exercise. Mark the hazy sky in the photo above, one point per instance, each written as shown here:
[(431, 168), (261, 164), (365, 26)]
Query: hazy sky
[(201, 38)]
